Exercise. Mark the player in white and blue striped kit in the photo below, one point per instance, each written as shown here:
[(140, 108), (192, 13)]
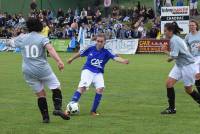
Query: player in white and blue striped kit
[(92, 72), (184, 69), (36, 70)]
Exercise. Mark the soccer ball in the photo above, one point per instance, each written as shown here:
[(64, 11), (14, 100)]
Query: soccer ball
[(72, 108)]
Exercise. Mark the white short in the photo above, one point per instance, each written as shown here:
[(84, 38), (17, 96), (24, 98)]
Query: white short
[(38, 84), (88, 78), (186, 74), (193, 5), (197, 64)]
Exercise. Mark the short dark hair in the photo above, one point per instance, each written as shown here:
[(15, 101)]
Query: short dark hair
[(34, 25), (101, 35), (173, 27), (196, 23)]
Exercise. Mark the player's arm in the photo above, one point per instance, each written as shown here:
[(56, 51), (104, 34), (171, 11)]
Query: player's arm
[(172, 53), (82, 53), (170, 59), (75, 56), (121, 60), (55, 56)]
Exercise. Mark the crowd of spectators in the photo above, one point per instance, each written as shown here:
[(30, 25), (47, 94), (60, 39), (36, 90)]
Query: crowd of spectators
[(120, 22)]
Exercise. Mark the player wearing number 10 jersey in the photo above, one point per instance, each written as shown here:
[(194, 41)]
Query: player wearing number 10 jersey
[(36, 70)]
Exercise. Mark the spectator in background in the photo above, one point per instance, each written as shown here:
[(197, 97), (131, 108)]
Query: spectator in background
[(150, 13), (193, 7), (45, 30), (69, 12), (97, 17), (49, 15), (83, 13), (142, 30), (33, 5), (60, 13), (136, 34), (21, 19), (115, 13), (90, 13), (168, 3), (179, 3), (83, 17), (153, 33)]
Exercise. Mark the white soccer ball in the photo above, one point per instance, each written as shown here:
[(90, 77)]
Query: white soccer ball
[(73, 108)]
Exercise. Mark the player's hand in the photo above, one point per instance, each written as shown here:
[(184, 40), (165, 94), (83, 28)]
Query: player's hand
[(69, 61), (126, 61), (165, 49), (60, 65)]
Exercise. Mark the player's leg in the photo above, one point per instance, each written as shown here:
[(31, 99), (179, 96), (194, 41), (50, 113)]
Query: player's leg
[(171, 96), (189, 73), (99, 84), (97, 100), (86, 80), (42, 104), (54, 85), (77, 94), (174, 76), (197, 82), (197, 76), (38, 88), (194, 94)]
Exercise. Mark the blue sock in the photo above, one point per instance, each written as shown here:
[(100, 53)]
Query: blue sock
[(76, 96), (96, 102)]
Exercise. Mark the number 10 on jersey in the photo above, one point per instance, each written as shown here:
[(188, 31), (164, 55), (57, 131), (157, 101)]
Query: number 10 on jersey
[(32, 51)]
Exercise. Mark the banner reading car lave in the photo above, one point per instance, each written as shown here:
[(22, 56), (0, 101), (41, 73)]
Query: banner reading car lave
[(151, 45), (117, 46), (181, 15)]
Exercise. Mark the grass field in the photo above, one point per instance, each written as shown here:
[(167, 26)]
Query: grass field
[(134, 96)]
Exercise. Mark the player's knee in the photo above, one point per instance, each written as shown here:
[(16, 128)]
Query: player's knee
[(41, 94), (169, 84), (100, 90), (188, 90), (197, 76), (82, 89)]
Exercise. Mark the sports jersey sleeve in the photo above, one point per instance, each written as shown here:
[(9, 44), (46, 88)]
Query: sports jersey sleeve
[(186, 40), (111, 55), (85, 52), (174, 49), (18, 41), (45, 41)]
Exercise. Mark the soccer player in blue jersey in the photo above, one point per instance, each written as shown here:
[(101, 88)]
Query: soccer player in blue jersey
[(97, 57)]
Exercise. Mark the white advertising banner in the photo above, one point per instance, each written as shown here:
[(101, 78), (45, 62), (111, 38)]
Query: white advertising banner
[(117, 46), (181, 15)]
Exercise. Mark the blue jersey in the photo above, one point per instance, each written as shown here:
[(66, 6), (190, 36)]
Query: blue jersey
[(96, 59)]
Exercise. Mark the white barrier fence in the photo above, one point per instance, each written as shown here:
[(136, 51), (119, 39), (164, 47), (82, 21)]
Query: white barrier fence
[(6, 45), (117, 46)]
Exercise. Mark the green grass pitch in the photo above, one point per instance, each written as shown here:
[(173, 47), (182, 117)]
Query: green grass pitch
[(134, 96)]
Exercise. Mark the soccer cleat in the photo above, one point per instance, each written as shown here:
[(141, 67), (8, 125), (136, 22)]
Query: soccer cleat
[(61, 114), (46, 120), (169, 111), (94, 114)]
